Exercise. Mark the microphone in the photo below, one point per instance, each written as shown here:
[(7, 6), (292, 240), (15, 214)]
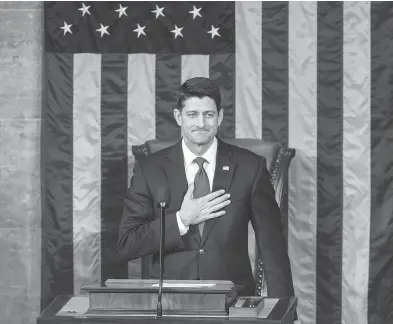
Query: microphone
[(163, 199)]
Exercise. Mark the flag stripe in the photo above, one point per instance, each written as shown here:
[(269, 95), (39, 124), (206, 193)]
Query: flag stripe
[(57, 240), (222, 71), (87, 170), (275, 71), (380, 297), (194, 66), (248, 69), (113, 159), (141, 116), (248, 96), (141, 98), (356, 161), (275, 80), (329, 162), (168, 80), (302, 135)]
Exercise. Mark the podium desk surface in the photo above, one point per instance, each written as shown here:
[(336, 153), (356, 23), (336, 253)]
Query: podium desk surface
[(282, 313)]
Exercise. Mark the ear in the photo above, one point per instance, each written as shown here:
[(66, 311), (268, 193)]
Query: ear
[(177, 115), (220, 116)]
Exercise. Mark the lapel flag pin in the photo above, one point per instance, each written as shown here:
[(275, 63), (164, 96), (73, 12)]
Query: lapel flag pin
[(225, 168)]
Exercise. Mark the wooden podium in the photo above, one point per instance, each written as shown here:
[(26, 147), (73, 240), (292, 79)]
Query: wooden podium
[(139, 297), (134, 302)]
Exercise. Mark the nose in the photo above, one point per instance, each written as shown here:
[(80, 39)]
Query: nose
[(200, 121)]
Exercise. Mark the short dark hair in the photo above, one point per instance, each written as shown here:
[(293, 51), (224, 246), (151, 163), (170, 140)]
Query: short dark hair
[(198, 87)]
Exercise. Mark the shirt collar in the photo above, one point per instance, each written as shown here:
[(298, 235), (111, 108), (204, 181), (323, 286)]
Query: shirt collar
[(209, 155)]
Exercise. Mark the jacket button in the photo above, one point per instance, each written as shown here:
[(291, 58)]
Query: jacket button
[(201, 251)]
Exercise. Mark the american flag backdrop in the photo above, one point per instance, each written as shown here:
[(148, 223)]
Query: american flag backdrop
[(315, 76)]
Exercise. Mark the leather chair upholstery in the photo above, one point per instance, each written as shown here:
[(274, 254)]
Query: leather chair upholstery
[(278, 160)]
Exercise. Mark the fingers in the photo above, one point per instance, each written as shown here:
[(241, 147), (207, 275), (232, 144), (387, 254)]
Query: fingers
[(219, 206), (208, 216), (214, 210), (215, 215), (212, 195), (218, 200)]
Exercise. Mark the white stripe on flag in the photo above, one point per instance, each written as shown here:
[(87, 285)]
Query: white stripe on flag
[(141, 102), (141, 114), (356, 162), (248, 69), (194, 66), (302, 116), (248, 121), (87, 170)]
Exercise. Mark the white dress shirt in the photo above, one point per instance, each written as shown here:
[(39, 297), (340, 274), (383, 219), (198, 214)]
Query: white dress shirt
[(191, 169)]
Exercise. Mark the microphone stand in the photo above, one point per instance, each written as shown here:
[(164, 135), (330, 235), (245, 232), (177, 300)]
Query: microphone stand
[(162, 244)]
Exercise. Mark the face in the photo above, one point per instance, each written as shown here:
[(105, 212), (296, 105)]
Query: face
[(199, 121)]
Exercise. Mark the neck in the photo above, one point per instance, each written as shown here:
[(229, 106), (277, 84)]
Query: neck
[(198, 149)]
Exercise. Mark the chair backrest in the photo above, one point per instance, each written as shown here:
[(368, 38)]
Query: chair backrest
[(278, 159)]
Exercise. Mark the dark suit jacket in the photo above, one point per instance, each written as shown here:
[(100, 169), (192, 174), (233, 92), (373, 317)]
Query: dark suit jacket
[(222, 252)]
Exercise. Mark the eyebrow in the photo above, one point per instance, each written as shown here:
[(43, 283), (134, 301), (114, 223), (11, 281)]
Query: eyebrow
[(205, 112)]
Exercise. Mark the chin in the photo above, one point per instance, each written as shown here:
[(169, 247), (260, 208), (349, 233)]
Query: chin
[(205, 142), (201, 140)]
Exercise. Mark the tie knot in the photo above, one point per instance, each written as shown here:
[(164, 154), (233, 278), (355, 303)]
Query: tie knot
[(200, 160)]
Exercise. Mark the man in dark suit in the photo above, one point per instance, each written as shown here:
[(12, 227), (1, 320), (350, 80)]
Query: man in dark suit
[(216, 189)]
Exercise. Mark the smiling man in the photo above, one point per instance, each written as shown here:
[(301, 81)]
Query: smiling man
[(216, 189)]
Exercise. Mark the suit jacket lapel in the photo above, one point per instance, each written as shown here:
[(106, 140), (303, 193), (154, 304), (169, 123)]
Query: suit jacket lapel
[(177, 180), (222, 180)]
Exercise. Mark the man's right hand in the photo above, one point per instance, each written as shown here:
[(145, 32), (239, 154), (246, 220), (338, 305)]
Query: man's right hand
[(194, 211)]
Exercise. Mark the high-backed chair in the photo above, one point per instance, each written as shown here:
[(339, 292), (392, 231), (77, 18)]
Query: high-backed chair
[(278, 159)]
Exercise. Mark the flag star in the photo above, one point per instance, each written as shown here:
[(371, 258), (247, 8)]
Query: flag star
[(121, 11), (214, 31), (139, 30), (158, 11), (103, 30), (195, 12), (66, 28), (85, 9), (177, 31)]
